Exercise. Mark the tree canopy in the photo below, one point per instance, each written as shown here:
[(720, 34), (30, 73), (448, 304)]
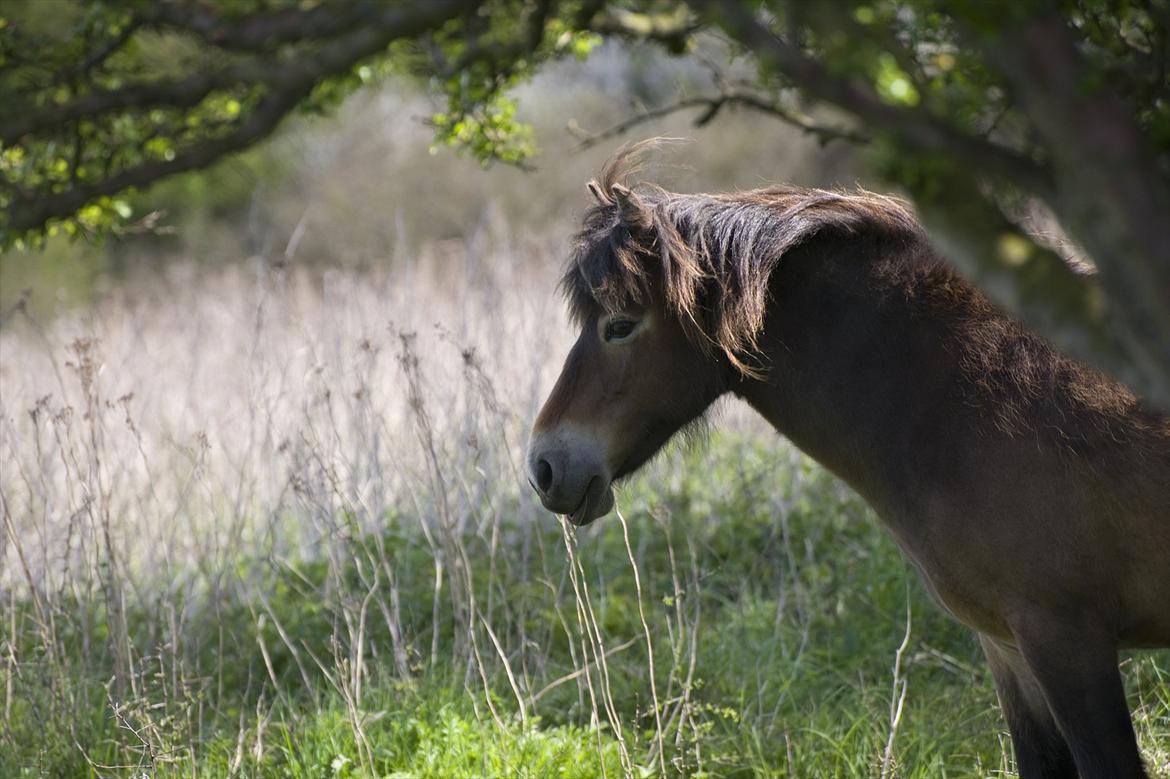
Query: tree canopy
[(981, 110)]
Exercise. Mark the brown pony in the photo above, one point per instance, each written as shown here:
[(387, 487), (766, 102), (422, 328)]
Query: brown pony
[(1031, 492)]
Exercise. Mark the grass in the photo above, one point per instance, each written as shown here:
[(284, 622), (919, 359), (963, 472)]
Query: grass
[(768, 659), (774, 605)]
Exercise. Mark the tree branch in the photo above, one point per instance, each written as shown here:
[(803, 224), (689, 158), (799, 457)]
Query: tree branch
[(502, 55), (672, 29), (179, 93), (369, 38), (98, 57), (33, 212), (912, 125), (288, 83), (711, 106), (263, 31)]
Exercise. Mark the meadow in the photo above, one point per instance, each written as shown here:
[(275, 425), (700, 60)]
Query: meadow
[(259, 523), (266, 516)]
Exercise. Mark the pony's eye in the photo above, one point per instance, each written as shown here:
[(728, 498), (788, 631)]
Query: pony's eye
[(619, 329)]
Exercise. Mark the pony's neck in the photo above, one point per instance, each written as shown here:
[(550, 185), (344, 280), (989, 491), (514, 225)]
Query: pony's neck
[(856, 379)]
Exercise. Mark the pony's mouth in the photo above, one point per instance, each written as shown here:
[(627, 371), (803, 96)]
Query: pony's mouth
[(595, 503)]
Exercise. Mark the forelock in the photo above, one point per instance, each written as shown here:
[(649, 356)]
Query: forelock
[(708, 258)]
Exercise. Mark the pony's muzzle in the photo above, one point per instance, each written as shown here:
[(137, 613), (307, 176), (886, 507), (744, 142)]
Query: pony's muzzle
[(568, 472)]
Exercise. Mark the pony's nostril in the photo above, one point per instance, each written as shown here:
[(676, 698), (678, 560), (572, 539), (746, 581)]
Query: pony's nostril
[(544, 475)]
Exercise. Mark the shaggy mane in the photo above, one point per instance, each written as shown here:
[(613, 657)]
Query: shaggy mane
[(709, 256)]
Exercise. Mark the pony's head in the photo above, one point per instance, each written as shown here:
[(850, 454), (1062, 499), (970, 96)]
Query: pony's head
[(670, 293)]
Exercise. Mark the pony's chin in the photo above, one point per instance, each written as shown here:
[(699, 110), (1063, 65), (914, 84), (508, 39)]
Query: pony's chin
[(598, 502)]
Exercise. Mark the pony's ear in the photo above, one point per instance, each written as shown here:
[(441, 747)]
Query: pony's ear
[(598, 194), (631, 209)]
